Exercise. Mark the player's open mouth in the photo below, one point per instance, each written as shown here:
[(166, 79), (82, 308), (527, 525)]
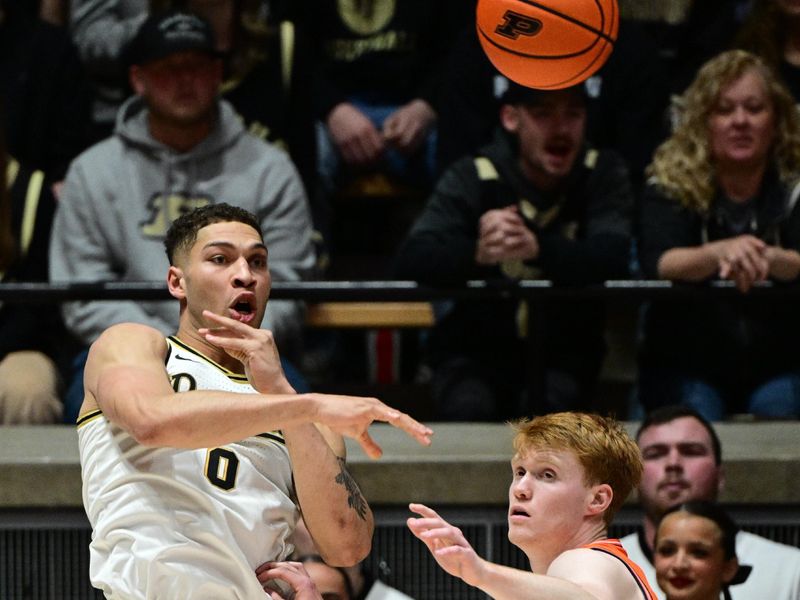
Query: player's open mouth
[(518, 512), (243, 309)]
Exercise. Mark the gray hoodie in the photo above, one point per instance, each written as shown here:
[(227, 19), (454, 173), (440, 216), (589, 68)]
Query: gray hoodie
[(121, 196)]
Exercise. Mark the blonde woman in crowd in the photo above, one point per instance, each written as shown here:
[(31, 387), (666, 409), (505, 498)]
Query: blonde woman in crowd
[(721, 203)]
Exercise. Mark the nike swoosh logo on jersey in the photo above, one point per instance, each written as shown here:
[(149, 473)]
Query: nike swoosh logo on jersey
[(179, 357)]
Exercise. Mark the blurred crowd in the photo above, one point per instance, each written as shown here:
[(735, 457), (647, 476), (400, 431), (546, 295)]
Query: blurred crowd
[(678, 160)]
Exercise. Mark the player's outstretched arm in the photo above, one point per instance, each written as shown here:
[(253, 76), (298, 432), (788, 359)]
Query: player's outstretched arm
[(126, 379), (447, 544), (456, 556), (349, 416)]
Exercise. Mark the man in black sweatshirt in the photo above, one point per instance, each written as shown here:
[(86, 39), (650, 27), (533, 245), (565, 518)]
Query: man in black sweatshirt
[(536, 203)]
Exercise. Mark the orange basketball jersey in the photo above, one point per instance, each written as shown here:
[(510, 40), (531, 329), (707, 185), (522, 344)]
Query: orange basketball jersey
[(614, 548)]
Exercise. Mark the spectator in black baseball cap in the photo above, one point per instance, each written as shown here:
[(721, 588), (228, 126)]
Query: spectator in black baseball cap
[(520, 94), (167, 33)]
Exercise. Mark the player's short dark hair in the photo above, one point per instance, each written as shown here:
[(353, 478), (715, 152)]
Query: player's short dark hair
[(183, 232), (669, 413)]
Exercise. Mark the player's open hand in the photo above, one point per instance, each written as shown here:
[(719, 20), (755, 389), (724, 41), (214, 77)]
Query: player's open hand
[(254, 348), (446, 543), (276, 577), (351, 416)]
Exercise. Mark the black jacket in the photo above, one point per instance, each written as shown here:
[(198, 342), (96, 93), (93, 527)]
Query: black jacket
[(746, 338)]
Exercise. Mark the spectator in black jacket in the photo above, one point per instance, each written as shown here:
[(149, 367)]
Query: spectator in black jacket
[(627, 100), (536, 203)]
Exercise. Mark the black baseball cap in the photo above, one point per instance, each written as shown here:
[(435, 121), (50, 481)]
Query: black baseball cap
[(167, 33), (520, 94)]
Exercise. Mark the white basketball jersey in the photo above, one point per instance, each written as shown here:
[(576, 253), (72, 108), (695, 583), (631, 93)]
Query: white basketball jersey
[(171, 523)]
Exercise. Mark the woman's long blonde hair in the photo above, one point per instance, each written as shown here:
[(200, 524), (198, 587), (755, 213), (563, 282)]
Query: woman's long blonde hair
[(683, 167)]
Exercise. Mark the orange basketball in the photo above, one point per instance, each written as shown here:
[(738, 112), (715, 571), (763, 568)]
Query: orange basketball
[(547, 44)]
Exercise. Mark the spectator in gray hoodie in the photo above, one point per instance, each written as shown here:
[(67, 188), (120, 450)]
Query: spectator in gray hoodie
[(176, 146)]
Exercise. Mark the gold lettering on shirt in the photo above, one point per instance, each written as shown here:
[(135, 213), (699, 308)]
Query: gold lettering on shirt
[(366, 17), (163, 211), (349, 50)]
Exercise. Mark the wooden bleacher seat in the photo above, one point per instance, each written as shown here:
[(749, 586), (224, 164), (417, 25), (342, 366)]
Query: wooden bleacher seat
[(371, 315)]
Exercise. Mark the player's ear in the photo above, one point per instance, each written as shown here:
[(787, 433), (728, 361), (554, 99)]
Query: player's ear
[(600, 499), (175, 282), (509, 117)]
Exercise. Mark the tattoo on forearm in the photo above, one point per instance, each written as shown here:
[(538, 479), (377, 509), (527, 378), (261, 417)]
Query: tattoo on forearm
[(355, 500)]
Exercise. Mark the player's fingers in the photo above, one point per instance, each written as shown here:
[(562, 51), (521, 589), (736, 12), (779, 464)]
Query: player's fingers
[(370, 447), (426, 523), (232, 344), (226, 321), (429, 543), (411, 426), (423, 510), (450, 550), (228, 326), (229, 339), (420, 526), (444, 532), (418, 532)]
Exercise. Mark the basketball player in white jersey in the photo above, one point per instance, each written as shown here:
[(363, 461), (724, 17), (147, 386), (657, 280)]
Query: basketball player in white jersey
[(193, 474)]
